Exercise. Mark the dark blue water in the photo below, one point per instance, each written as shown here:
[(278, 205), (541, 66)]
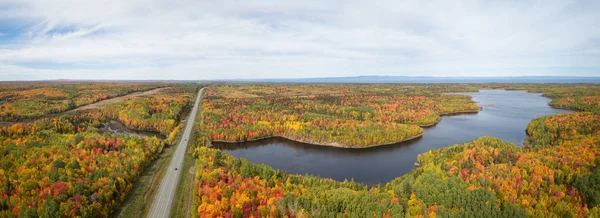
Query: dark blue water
[(505, 115)]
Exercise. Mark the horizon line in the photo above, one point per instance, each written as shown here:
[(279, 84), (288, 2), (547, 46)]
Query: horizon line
[(300, 78)]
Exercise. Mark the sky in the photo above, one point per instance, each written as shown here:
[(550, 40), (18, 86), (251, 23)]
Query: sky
[(237, 39)]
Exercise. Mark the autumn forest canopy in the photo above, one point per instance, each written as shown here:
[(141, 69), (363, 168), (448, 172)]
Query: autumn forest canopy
[(59, 158), (59, 164)]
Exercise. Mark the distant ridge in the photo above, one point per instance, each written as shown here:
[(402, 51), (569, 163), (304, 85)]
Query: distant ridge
[(366, 80), (424, 79)]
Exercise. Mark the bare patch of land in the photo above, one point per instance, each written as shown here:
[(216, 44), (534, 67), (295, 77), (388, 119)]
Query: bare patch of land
[(3, 124)]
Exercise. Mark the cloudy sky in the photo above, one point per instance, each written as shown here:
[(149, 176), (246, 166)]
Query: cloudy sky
[(224, 39)]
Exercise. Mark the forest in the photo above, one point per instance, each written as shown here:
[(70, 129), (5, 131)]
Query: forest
[(26, 101), (66, 166), (63, 163), (335, 115), (555, 174)]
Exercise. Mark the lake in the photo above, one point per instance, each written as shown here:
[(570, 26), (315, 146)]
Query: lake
[(505, 115)]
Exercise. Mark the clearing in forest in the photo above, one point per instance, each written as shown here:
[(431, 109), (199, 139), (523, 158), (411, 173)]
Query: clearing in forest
[(104, 103)]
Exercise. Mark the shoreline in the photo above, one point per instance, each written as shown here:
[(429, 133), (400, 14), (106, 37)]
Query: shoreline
[(91, 105), (338, 145), (566, 108), (331, 144), (7, 124), (449, 114)]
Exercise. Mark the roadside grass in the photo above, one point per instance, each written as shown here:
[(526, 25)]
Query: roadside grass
[(182, 204), (184, 196), (139, 201)]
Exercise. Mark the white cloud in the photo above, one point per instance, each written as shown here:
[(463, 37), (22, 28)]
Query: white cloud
[(264, 38)]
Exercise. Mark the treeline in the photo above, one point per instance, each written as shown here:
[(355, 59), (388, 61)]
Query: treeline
[(326, 90)]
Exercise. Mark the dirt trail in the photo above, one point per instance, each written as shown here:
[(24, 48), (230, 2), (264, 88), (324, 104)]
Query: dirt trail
[(96, 105), (104, 103), (3, 124)]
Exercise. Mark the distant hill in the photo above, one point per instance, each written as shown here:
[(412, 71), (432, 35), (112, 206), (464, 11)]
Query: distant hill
[(375, 79), (423, 79)]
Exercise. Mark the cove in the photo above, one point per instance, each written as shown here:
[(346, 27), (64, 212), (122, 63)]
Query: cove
[(504, 115)]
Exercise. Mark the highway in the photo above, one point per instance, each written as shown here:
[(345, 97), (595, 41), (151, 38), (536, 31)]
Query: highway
[(161, 207)]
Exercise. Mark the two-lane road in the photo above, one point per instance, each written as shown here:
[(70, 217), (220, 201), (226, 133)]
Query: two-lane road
[(161, 207)]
